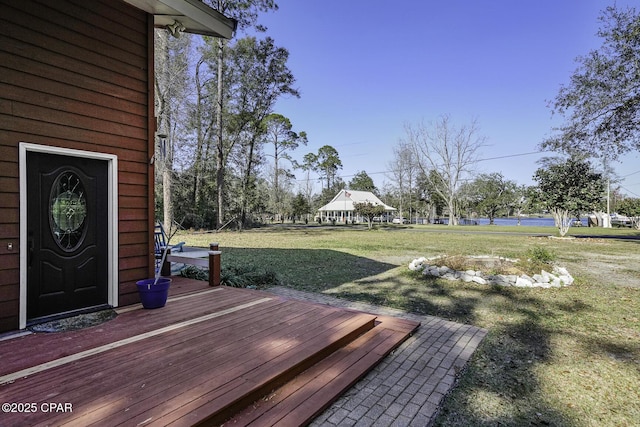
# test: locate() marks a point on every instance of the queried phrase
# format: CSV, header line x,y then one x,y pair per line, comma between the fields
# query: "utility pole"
x,y
607,220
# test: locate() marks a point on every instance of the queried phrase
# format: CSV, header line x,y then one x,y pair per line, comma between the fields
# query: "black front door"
x,y
67,230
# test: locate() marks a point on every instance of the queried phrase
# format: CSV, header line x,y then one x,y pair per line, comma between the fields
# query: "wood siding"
x,y
76,74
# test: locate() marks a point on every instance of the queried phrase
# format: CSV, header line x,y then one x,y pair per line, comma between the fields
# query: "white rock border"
x,y
557,278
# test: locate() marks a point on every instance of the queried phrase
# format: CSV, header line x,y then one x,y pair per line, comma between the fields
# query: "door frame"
x,y
112,233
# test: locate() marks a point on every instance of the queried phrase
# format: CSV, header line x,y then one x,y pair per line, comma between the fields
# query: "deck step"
x,y
254,385
306,396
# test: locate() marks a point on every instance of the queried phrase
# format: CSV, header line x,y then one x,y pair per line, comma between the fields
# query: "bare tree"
x,y
397,175
404,170
203,120
171,64
449,150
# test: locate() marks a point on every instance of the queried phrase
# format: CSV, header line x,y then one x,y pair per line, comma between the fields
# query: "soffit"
x,y
194,15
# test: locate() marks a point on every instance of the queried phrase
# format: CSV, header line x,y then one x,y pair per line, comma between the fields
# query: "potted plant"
x,y
154,292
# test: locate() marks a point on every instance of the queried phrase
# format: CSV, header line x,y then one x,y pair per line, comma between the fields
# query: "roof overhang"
x,y
194,16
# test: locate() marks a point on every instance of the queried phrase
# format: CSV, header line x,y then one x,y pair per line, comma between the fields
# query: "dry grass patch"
x,y
486,265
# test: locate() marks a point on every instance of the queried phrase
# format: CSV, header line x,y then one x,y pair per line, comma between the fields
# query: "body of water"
x,y
531,221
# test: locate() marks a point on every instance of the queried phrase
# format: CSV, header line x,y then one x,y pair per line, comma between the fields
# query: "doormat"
x,y
80,321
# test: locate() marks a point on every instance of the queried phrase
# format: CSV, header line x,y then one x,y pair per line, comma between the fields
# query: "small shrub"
x,y
538,259
193,272
539,254
236,277
248,276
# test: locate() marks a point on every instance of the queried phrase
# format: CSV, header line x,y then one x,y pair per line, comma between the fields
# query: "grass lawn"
x,y
563,356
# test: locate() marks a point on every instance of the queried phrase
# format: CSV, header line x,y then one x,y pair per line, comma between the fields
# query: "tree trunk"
x,y
197,164
561,218
164,152
220,142
276,183
167,176
246,184
453,219
166,196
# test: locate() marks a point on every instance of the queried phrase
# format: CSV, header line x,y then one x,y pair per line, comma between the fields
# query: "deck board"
x,y
278,403
261,367
292,357
202,358
37,348
305,396
124,361
210,382
171,374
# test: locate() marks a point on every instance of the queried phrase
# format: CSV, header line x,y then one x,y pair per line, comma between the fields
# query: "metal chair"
x,y
161,242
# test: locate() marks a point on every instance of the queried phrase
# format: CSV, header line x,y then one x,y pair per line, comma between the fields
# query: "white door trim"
x,y
112,233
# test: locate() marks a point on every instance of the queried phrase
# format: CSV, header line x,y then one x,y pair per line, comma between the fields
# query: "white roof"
x,y
345,199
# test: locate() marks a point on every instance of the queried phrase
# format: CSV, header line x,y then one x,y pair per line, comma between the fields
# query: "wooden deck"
x,y
209,355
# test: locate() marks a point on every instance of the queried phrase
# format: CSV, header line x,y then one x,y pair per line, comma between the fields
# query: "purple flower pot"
x,y
153,296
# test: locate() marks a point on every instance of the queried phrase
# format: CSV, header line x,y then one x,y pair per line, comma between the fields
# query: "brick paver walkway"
x,y
407,388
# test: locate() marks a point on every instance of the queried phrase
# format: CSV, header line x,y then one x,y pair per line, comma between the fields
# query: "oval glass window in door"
x,y
68,210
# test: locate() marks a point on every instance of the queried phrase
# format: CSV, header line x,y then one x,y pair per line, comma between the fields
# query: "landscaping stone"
x,y
444,270
479,280
566,279
433,271
559,277
524,281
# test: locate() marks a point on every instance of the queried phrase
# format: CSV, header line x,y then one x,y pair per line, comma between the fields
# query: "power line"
x,y
632,173
389,171
629,191
509,156
479,160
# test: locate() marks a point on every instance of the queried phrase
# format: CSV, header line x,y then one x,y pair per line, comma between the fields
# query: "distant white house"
x,y
341,207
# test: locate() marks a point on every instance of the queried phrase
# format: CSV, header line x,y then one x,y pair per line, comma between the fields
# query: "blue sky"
x,y
365,68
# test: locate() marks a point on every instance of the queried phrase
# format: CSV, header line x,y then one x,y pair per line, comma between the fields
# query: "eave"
x,y
195,16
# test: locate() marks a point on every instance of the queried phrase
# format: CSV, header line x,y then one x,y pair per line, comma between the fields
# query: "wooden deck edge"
x,y
262,389
314,407
398,324
301,399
